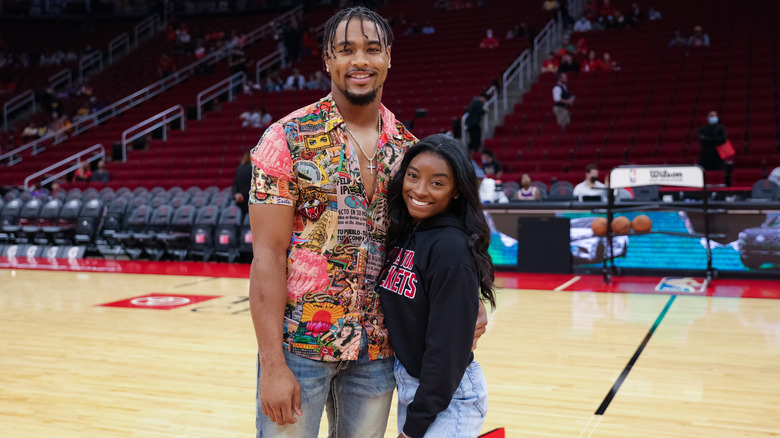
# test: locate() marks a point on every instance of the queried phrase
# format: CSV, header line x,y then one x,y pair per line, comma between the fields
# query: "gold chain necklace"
x,y
371,165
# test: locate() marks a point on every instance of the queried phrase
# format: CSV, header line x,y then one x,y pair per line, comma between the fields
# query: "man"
x,y
712,135
318,211
474,115
591,186
562,100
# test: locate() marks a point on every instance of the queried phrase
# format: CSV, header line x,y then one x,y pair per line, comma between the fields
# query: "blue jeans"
x,y
356,394
463,417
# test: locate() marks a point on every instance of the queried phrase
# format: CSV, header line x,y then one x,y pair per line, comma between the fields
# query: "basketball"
x,y
642,224
599,226
621,225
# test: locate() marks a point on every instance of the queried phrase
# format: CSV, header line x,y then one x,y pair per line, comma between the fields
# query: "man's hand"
x,y
239,197
280,395
482,321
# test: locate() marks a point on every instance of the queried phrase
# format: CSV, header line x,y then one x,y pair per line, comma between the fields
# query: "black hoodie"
x,y
430,294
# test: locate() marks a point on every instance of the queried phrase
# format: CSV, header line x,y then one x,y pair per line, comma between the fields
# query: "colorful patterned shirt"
x,y
306,161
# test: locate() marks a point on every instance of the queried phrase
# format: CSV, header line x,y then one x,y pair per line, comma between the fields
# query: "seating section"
x,y
649,112
175,224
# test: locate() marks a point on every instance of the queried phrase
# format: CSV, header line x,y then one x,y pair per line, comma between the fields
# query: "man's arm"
x,y
481,327
272,227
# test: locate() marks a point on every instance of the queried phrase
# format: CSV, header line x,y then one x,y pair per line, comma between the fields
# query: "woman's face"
x,y
429,186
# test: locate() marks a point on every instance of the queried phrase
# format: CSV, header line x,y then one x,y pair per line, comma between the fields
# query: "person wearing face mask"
x,y
712,135
591,186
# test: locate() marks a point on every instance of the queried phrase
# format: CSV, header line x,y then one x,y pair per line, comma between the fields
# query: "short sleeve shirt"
x,y
305,161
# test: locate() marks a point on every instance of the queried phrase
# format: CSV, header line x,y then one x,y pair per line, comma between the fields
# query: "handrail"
x,y
277,56
515,71
267,62
117,43
101,154
217,89
64,75
260,32
160,120
28,97
151,23
88,61
543,36
136,98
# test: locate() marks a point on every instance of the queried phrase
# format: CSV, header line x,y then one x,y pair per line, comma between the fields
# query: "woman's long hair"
x,y
466,207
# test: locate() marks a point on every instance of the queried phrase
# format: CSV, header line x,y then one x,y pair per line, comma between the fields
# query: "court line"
x,y
190,283
632,361
568,283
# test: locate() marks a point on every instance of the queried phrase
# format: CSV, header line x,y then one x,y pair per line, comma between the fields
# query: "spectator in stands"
x,y
489,42
653,14
250,118
527,191
474,116
699,38
609,63
593,63
490,165
271,84
607,13
242,182
165,65
296,81
591,186
565,47
318,81
250,87
678,40
200,50
562,101
310,43
82,113
550,64
774,176
237,61
712,135
183,38
293,41
265,118
101,174
63,124
568,65
428,29
582,25
634,15
30,133
581,51
83,173
552,7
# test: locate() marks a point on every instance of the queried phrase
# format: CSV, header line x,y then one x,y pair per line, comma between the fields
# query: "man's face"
x,y
594,173
563,78
359,63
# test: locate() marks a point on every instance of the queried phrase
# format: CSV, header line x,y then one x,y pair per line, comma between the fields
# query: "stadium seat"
x,y
227,233
202,238
89,221
47,222
66,223
176,240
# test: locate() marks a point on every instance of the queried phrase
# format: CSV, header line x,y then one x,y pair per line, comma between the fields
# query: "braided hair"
x,y
360,13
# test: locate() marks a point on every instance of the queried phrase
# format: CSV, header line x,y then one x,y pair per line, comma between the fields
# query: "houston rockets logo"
x,y
400,277
314,202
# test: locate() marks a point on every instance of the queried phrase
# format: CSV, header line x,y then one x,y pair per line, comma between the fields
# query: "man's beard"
x,y
362,99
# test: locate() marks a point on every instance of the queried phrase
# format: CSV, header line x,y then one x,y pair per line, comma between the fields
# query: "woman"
x,y
430,290
527,192
83,173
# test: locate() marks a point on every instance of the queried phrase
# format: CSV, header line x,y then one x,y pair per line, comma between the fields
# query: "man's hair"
x,y
489,153
383,30
590,167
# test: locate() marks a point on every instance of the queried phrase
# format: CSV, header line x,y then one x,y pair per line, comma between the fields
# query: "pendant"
x,y
371,167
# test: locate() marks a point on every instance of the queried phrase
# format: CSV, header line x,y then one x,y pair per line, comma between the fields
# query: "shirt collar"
x,y
334,119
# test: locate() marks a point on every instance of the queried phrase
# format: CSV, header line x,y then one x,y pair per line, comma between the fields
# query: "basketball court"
x,y
97,348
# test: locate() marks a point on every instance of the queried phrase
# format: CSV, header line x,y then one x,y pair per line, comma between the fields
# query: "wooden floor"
x,y
72,368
